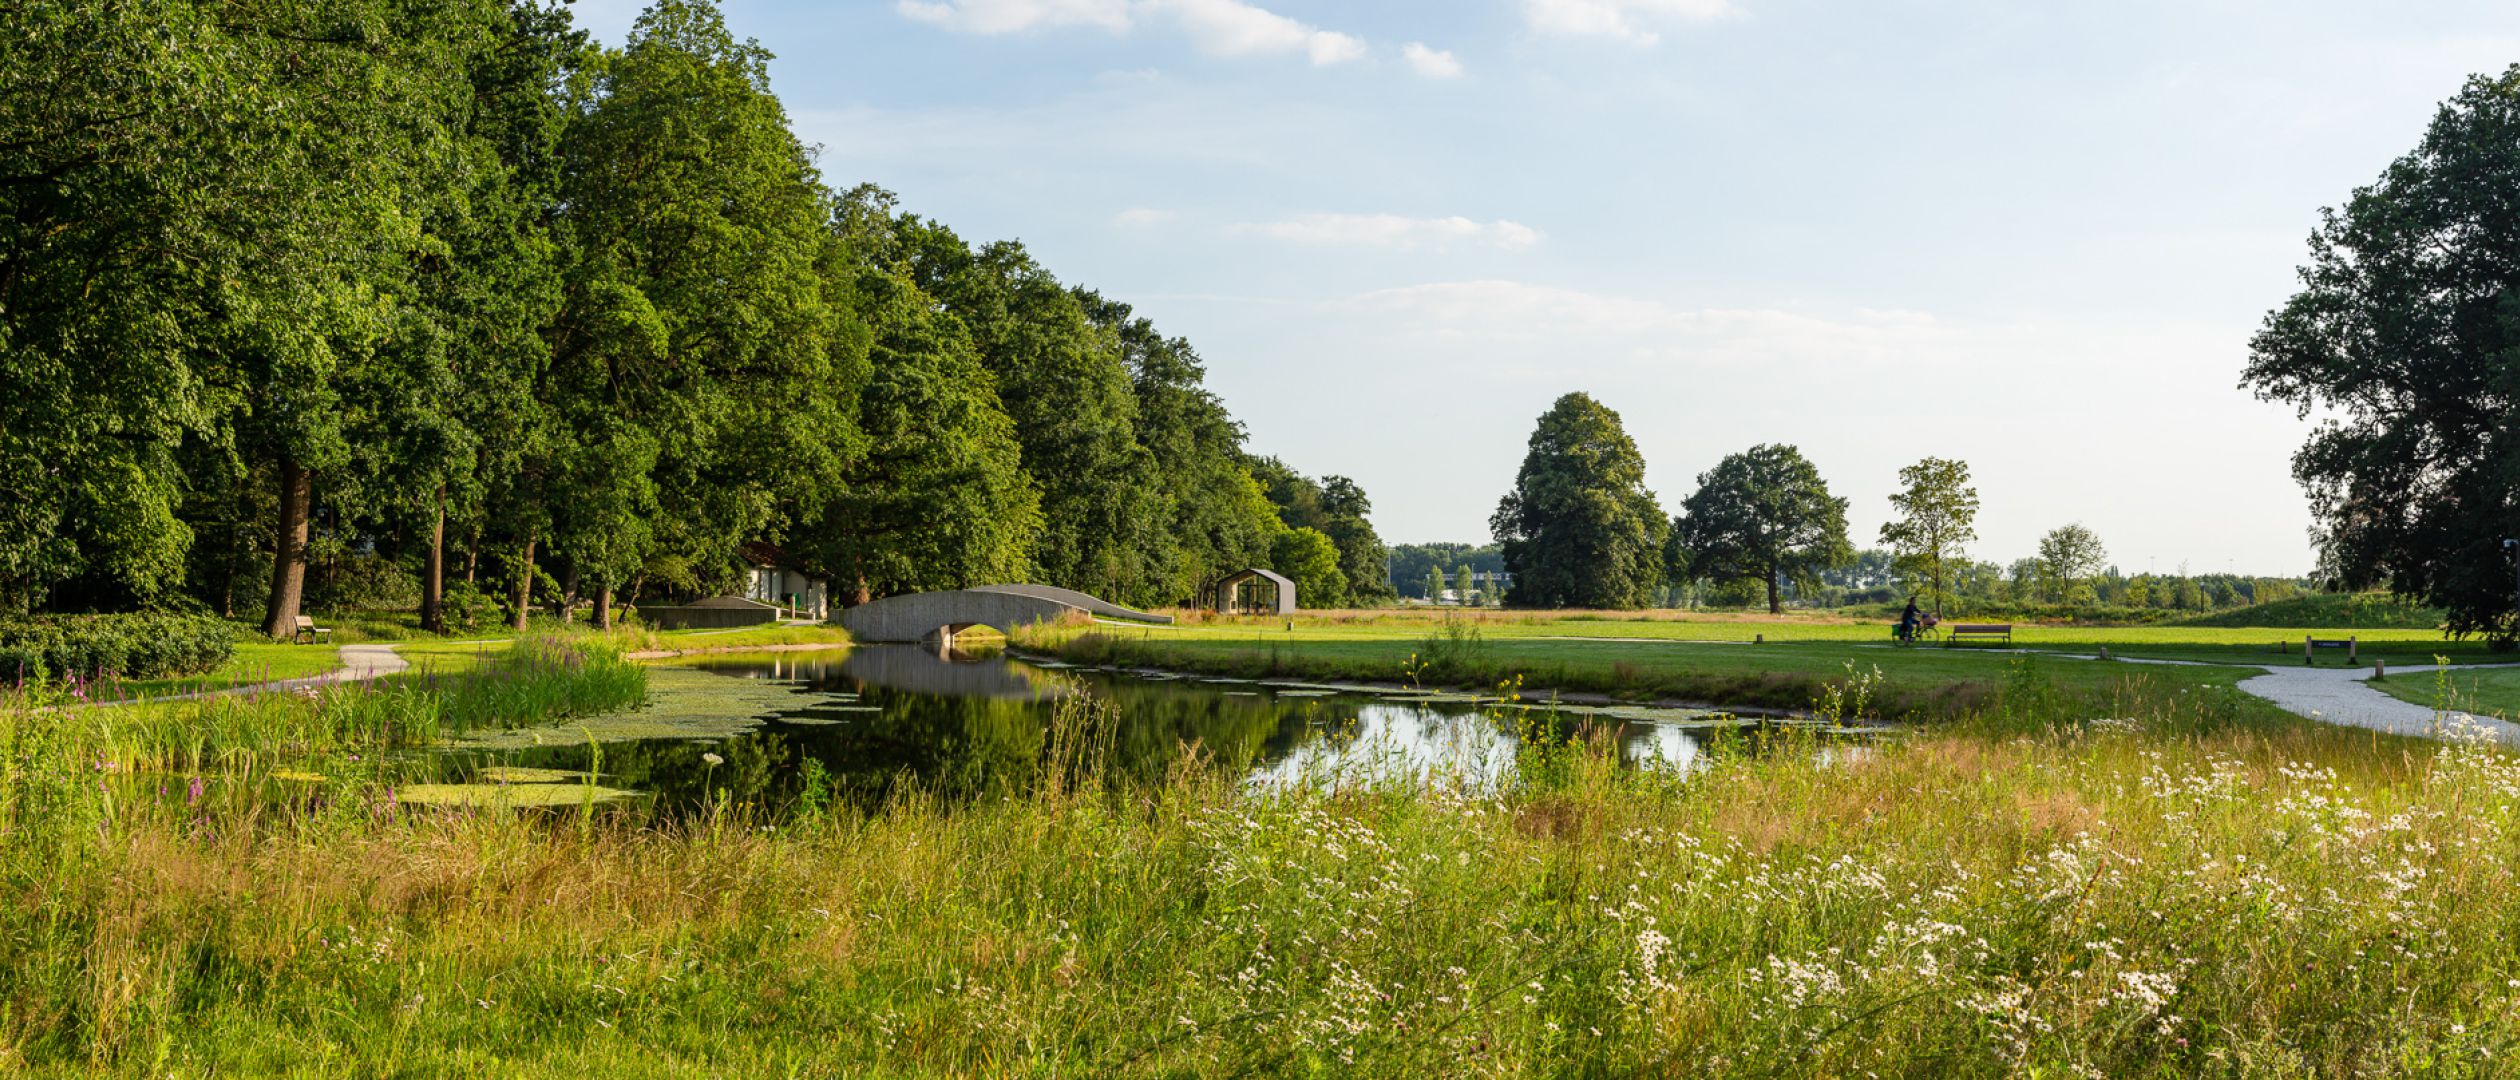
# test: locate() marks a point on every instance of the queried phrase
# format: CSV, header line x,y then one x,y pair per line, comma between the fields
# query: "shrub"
x,y
139,646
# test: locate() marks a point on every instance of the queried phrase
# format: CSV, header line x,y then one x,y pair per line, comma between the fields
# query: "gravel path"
x,y
2342,696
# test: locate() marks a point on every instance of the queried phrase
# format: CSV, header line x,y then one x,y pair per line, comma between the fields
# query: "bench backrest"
x,y
1982,628
2329,643
305,623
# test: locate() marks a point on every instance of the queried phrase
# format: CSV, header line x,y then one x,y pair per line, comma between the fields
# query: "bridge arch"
x,y
938,616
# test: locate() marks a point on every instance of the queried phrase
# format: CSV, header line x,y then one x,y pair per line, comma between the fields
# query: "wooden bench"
x,y
1995,632
307,632
2311,645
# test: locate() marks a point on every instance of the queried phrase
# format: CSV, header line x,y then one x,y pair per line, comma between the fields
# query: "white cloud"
x,y
1142,217
1632,329
1633,20
1394,231
1431,62
1009,16
1217,27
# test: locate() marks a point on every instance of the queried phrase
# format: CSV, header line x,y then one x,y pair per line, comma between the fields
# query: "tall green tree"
x,y
1311,561
2069,555
698,315
1215,517
1579,528
1765,514
1937,521
940,499
2405,338
1066,384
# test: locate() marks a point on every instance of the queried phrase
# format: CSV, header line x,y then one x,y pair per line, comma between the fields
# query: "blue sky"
x,y
2032,236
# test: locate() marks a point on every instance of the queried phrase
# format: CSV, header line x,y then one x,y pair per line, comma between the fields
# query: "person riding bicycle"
x,y
1908,621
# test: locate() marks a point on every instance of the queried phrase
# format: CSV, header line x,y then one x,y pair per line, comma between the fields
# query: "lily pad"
x,y
508,795
683,703
520,774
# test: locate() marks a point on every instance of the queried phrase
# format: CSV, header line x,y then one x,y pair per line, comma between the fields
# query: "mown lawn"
x,y
2249,645
254,662
1788,672
2489,692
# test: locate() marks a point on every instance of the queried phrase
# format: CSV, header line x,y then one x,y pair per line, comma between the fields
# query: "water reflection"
x,y
882,721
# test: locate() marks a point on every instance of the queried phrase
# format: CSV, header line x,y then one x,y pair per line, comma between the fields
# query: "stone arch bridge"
x,y
935,617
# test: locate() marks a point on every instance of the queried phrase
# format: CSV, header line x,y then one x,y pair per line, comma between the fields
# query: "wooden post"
x,y
2353,651
2308,644
2380,671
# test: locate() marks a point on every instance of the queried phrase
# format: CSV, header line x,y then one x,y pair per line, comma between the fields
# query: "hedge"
x,y
100,646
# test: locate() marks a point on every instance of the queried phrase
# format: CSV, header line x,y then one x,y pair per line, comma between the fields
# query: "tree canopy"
x,y
288,288
1764,514
2405,341
1937,522
1579,528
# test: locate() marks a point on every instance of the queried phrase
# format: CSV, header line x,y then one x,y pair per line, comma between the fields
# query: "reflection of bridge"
x,y
937,616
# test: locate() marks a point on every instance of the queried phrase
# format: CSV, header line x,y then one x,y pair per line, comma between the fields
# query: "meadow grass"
x,y
2160,882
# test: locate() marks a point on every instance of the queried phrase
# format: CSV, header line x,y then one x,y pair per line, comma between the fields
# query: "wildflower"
x,y
713,759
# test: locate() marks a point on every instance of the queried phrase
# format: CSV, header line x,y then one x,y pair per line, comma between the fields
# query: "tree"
x,y
1434,585
1465,584
1764,513
700,314
1937,521
1579,528
1311,561
1362,557
1338,507
2403,336
1216,518
940,500
2069,555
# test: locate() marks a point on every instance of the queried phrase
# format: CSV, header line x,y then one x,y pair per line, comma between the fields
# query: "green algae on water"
x,y
682,703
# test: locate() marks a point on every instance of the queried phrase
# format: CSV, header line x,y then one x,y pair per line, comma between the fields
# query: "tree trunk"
x,y
603,607
566,608
472,554
1776,605
433,573
524,594
288,562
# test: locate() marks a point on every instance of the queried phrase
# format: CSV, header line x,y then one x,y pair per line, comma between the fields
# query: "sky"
x,y
2035,237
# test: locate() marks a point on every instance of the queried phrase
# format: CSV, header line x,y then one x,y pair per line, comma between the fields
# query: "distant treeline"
x,y
411,294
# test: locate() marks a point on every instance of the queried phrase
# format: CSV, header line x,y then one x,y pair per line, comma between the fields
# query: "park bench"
x,y
307,632
2311,645
1995,632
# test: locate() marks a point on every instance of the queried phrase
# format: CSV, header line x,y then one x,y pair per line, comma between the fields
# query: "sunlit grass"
x,y
2165,882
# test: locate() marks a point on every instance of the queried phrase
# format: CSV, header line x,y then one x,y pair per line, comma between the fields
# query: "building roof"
x,y
1240,576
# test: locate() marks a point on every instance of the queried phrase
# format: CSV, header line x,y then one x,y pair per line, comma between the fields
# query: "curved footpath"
x,y
2344,696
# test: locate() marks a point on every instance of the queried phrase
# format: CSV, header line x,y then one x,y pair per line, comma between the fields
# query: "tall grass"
x,y
2178,887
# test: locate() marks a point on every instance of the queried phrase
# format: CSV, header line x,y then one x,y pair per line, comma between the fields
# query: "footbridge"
x,y
937,616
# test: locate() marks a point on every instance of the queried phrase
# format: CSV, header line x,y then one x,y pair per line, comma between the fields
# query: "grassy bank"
x,y
1784,673
2182,886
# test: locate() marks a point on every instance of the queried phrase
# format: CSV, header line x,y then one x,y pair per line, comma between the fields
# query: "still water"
x,y
864,723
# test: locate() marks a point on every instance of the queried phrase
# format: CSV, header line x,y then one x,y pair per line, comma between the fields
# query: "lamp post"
x,y
2512,548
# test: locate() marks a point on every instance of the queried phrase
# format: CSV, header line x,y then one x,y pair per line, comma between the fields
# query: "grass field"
x,y
1744,661
2186,884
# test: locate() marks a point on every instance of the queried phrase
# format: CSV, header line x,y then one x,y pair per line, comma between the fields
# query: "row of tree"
x,y
446,283
1580,529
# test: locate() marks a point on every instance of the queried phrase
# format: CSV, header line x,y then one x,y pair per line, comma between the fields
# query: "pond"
x,y
864,723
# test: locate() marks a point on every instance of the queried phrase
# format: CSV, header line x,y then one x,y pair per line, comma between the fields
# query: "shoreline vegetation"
x,y
1988,897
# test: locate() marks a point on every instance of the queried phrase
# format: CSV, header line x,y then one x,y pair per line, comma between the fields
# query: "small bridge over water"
x,y
938,616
